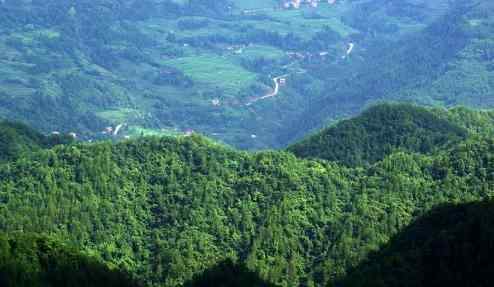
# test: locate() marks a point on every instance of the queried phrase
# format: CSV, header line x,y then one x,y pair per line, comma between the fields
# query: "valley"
x,y
172,68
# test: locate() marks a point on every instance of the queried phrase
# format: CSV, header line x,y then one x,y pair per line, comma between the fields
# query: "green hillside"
x,y
17,140
125,125
449,246
167,209
378,132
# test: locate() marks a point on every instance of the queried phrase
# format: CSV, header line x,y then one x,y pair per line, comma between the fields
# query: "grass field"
x,y
118,116
137,131
264,51
215,71
306,22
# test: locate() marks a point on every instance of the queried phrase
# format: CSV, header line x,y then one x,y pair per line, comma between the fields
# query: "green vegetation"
x,y
378,132
17,140
354,204
215,71
444,64
167,209
179,65
32,261
449,246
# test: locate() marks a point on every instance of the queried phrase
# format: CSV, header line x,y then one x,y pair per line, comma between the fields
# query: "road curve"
x,y
274,93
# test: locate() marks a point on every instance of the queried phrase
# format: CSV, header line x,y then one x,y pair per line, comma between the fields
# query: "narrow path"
x,y
274,93
117,129
350,48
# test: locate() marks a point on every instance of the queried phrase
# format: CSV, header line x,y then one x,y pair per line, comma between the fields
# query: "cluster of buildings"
x,y
295,4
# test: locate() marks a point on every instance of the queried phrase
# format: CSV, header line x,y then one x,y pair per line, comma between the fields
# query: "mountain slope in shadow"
x,y
228,274
450,246
37,261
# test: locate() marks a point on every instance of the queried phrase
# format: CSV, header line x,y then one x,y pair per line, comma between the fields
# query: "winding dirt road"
x,y
117,129
350,48
274,93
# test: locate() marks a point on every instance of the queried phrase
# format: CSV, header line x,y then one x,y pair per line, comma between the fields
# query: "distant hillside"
x,y
378,132
36,261
450,246
16,139
448,63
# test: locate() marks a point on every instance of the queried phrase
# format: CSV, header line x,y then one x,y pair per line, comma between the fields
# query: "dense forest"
x,y
228,274
120,122
167,209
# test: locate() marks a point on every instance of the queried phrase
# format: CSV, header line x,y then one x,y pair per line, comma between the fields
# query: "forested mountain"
x,y
28,260
168,66
17,140
449,246
167,209
378,132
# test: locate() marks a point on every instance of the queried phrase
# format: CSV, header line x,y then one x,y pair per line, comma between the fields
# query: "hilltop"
x,y
16,140
378,132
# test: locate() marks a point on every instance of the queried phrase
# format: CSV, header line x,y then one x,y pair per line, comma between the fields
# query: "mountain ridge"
x,y
378,131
